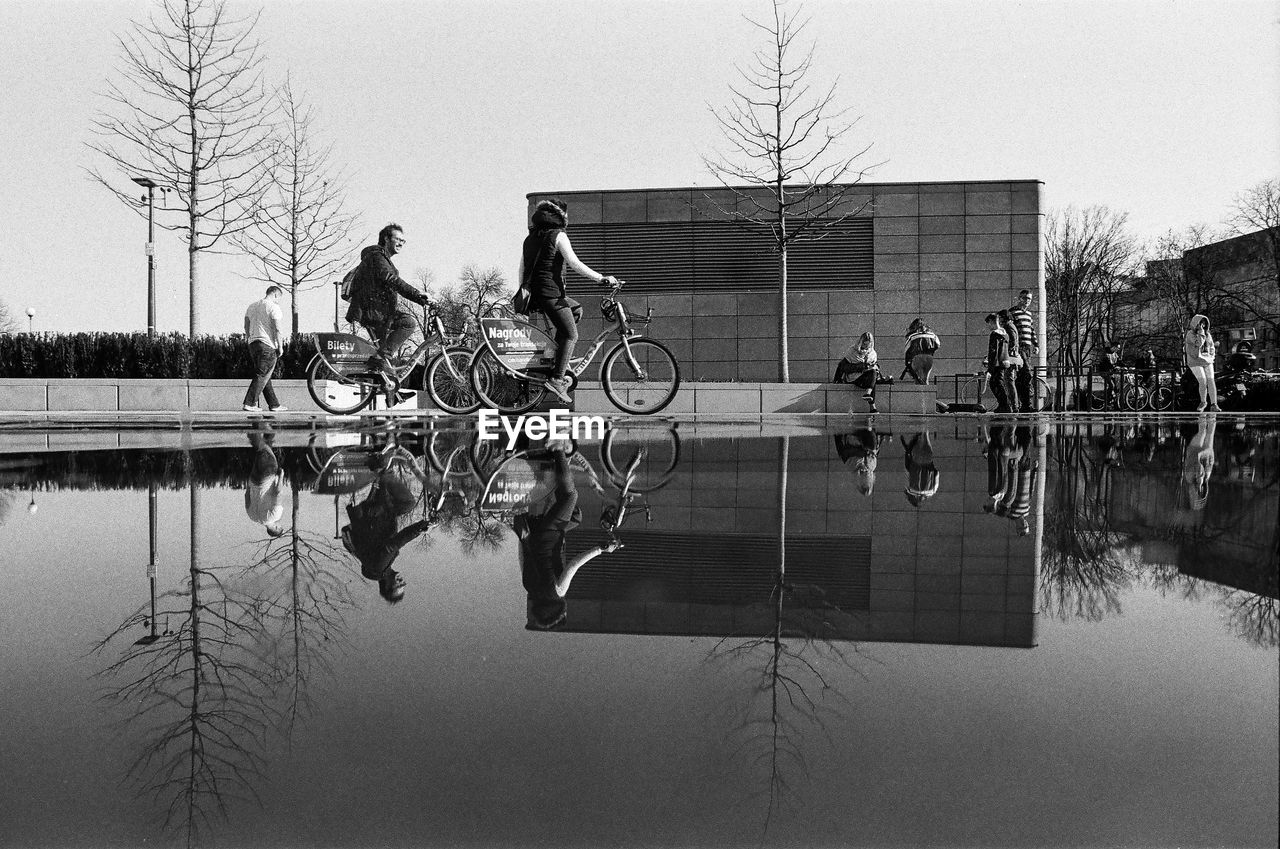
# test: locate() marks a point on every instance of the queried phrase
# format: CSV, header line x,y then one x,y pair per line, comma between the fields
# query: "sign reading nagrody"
x,y
517,344
556,424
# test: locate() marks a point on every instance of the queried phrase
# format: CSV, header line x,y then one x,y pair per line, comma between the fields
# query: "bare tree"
x,y
189,111
1089,263
301,233
197,693
1259,209
782,142
8,324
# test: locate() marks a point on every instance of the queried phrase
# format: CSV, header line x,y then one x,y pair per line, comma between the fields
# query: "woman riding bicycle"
x,y
546,251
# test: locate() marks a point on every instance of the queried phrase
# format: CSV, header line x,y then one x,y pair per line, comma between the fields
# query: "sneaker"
x,y
873,409
251,408
280,408
559,387
1214,408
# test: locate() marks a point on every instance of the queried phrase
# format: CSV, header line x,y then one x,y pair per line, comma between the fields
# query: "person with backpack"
x,y
378,294
544,254
922,344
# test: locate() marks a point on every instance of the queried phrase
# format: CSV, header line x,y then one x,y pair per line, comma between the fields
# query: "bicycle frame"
x,y
348,353
516,339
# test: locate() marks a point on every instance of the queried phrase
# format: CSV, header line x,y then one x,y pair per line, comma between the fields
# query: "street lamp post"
x,y
31,319
337,304
150,186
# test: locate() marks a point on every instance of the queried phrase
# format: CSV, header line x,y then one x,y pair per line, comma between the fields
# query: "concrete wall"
x,y
947,252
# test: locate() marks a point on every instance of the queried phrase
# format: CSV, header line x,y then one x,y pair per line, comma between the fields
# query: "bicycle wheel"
x,y
1133,398
661,456
971,388
336,393
447,451
448,383
645,392
1161,398
497,388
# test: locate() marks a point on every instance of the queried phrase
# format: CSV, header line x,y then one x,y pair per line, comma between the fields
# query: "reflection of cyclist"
x,y
377,299
541,531
546,251
372,535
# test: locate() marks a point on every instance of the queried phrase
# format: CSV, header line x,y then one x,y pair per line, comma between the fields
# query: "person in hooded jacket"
x,y
545,253
378,295
1200,350
922,344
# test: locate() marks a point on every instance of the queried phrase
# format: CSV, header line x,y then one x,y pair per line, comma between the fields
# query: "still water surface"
x,y
908,632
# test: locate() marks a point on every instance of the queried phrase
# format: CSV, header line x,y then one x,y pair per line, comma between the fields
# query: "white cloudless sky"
x,y
446,114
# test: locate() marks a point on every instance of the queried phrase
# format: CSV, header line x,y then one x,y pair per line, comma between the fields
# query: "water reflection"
x,y
778,549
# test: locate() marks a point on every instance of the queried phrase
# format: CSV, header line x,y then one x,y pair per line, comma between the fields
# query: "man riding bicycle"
x,y
545,252
377,300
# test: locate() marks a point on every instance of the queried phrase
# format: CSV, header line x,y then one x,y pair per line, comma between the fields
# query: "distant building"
x,y
1242,270
947,252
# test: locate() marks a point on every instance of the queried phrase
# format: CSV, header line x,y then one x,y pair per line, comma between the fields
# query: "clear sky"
x,y
448,113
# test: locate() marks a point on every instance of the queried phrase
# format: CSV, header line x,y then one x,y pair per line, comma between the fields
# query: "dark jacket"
x,y
377,289
997,350
543,264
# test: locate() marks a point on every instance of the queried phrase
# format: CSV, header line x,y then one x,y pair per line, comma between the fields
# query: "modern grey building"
x,y
947,252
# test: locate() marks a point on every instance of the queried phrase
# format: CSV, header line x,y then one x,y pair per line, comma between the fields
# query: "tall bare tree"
x,y
189,111
1090,260
301,233
783,142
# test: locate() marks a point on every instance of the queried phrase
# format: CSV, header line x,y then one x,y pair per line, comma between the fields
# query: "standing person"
x,y
861,363
378,295
1106,366
922,344
544,254
1198,462
264,330
1147,365
1028,347
1200,350
998,364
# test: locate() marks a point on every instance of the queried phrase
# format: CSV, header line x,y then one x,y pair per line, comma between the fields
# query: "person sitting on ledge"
x,y
859,367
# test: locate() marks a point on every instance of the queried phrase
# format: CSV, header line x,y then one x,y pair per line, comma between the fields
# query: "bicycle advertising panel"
x,y
518,484
344,349
517,344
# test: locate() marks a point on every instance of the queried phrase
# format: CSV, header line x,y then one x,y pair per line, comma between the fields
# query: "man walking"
x,y
377,299
1028,345
263,328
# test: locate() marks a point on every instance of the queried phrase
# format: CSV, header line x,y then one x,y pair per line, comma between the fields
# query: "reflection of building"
x,y
1232,540
950,252
873,568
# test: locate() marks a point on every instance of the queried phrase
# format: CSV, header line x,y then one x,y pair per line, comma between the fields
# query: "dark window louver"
x,y
724,569
718,256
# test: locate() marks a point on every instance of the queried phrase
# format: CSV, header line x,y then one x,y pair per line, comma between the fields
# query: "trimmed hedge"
x,y
135,355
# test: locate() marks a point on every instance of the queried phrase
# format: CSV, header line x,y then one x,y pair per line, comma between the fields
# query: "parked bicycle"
x,y
341,381
970,388
510,369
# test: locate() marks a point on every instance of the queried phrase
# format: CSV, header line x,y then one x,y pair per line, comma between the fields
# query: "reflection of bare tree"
x,y
1084,566
1252,617
198,696
303,606
792,693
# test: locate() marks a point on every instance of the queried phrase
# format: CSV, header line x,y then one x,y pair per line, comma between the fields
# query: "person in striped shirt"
x,y
1028,344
